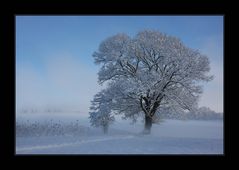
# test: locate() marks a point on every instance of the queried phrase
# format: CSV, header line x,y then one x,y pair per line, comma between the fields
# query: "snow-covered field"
x,y
70,133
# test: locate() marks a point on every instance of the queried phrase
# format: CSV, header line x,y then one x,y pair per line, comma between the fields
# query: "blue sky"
x,y
54,63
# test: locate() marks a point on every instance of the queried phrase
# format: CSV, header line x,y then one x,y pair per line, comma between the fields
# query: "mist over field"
x,y
119,85
70,133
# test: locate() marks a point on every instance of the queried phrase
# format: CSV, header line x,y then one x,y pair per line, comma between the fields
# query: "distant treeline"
x,y
36,110
202,113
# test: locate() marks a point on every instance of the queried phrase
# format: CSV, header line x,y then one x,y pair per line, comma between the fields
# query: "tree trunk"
x,y
148,124
105,129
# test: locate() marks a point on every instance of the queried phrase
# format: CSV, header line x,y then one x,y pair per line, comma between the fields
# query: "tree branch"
x,y
141,104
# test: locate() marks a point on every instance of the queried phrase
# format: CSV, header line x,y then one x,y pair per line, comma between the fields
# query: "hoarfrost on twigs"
x,y
144,73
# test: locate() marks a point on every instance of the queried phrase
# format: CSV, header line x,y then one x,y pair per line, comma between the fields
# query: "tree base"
x,y
146,132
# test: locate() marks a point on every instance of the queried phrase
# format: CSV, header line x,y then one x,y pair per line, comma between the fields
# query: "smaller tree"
x,y
100,115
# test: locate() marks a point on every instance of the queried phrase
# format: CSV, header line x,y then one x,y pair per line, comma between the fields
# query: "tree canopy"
x,y
146,72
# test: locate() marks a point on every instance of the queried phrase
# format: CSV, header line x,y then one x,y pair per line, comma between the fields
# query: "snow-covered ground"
x,y
168,137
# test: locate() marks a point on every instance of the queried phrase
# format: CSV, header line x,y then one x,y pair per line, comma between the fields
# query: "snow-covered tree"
x,y
147,72
101,115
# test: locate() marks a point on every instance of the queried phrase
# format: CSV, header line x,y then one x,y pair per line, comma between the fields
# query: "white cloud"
x,y
213,91
29,86
66,82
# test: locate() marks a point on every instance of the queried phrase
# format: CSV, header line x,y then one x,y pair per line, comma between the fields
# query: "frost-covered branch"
x,y
146,72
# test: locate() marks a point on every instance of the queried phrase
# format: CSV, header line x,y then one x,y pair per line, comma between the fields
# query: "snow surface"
x,y
168,137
